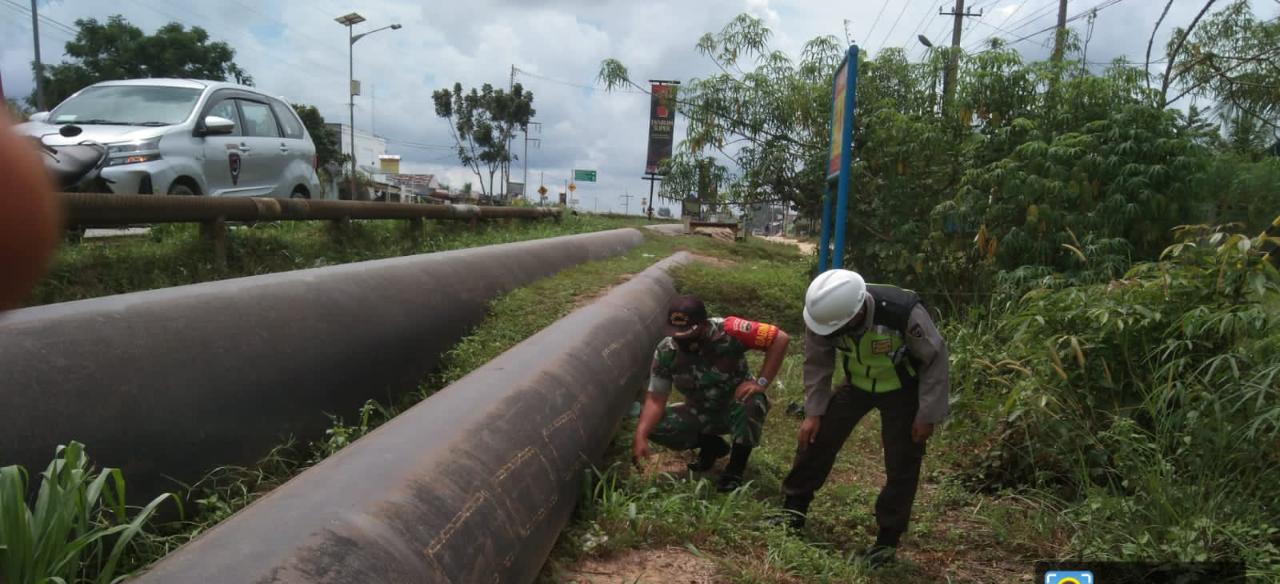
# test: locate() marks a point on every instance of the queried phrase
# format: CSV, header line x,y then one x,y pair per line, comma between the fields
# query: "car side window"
x,y
227,109
288,120
258,120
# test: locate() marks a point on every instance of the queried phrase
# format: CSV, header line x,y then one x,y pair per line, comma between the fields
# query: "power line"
x,y
1024,22
524,73
1098,8
872,30
905,4
45,19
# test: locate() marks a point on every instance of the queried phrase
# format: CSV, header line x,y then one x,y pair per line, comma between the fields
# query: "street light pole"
x,y
351,105
350,21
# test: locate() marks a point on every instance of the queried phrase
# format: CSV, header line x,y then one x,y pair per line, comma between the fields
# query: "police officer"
x,y
893,360
705,358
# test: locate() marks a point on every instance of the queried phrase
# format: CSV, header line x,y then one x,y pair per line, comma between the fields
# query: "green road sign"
x,y
584,176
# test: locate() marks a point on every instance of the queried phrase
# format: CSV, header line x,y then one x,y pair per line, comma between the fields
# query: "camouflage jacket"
x,y
708,376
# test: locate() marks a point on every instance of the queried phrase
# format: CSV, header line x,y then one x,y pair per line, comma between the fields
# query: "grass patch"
x,y
174,255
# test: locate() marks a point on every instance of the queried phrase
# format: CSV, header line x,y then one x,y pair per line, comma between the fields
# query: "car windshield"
x,y
133,105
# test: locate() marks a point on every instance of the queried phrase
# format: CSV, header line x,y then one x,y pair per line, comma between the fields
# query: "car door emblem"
x,y
233,160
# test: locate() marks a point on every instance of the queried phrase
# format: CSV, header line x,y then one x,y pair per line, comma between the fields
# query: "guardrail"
x,y
83,209
213,213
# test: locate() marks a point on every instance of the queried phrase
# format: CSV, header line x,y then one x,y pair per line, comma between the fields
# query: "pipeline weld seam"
x,y
472,503
611,348
555,497
511,464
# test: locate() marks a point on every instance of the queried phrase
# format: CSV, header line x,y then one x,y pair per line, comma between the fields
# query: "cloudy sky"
x,y
294,49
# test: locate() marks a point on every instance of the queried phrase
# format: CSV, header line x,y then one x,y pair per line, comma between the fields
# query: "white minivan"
x,y
187,137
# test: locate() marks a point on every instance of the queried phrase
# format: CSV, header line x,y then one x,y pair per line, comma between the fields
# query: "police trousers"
x,y
902,456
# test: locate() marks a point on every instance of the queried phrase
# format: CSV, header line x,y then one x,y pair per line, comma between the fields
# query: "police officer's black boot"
x,y
884,551
710,449
794,510
732,477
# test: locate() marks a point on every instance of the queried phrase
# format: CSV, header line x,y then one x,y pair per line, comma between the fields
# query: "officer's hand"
x,y
746,389
920,432
809,430
640,451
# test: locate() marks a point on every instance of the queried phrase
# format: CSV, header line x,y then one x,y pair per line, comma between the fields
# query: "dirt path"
x,y
806,248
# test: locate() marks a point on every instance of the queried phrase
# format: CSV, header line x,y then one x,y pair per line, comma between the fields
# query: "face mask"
x,y
690,343
686,345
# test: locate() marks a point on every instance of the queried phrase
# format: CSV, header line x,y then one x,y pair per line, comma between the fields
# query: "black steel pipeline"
x,y
472,485
177,381
105,210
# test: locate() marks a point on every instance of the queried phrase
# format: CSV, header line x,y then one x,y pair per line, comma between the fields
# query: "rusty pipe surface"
x,y
105,210
178,381
471,485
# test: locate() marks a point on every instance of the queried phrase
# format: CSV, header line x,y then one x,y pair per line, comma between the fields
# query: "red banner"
x,y
662,125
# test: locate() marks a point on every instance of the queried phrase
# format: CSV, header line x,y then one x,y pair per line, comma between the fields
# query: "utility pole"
x,y
35,36
1060,34
626,201
506,166
953,58
536,142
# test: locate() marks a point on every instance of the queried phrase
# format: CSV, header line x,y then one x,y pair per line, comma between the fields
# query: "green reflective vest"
x,y
878,361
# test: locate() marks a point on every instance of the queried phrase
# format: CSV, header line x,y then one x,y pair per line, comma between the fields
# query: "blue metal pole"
x,y
846,160
824,249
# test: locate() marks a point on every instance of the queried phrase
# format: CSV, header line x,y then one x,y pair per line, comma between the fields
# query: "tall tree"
x,y
764,113
482,123
116,49
326,141
1233,57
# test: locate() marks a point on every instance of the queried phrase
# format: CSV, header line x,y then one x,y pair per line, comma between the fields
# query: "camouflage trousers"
x,y
683,423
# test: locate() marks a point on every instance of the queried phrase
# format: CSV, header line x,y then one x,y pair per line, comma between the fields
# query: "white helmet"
x,y
833,299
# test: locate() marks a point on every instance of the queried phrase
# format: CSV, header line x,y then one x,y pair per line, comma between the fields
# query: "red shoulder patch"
x,y
755,335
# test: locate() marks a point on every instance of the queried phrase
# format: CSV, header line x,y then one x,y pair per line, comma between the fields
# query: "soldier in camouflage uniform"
x,y
705,358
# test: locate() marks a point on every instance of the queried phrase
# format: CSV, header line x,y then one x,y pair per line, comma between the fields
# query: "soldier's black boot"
x,y
732,477
710,449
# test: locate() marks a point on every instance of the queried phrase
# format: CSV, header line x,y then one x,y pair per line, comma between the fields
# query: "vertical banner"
x,y
839,88
843,95
662,125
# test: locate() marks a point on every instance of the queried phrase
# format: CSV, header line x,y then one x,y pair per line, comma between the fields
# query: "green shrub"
x,y
78,528
1147,406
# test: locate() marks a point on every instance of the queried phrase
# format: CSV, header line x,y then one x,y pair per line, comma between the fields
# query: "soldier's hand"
x,y
920,432
746,389
809,430
640,451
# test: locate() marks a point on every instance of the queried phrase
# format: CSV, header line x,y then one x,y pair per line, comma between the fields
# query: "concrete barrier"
x,y
175,382
470,486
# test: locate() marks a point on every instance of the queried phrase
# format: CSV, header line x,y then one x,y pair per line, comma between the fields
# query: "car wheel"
x,y
298,193
181,190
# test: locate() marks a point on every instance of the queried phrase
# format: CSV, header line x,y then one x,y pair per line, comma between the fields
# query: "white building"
x,y
368,146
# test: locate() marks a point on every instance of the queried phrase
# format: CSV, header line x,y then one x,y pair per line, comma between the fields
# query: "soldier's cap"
x,y
685,313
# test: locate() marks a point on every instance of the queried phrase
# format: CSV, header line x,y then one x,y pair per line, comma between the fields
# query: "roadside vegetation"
x,y
1097,261
175,255
1133,419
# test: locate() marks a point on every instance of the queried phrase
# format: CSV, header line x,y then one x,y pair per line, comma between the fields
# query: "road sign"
x,y
542,190
572,187
584,175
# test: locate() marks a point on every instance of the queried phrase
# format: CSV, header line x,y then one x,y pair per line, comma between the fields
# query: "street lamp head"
x,y
396,27
924,40
350,19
